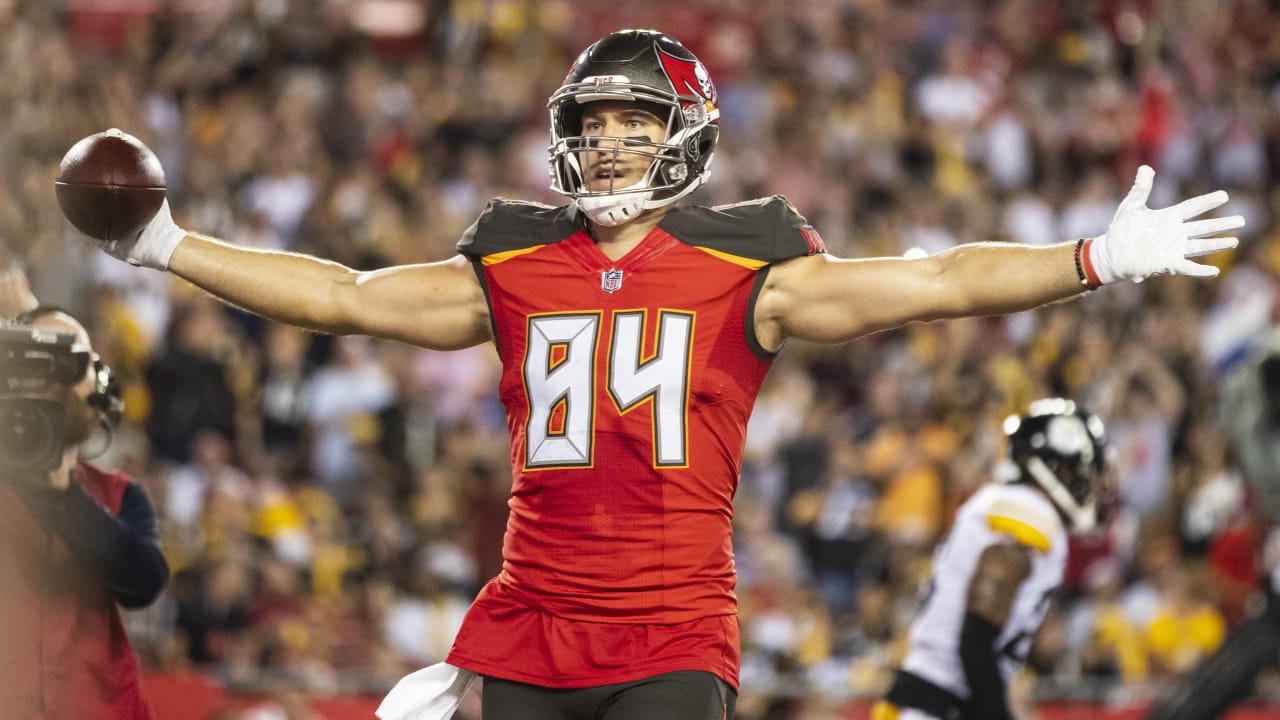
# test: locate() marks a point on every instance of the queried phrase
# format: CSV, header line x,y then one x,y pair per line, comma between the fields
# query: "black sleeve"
x,y
125,549
978,657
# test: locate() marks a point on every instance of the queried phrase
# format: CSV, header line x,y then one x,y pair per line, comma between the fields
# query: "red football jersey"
x,y
627,385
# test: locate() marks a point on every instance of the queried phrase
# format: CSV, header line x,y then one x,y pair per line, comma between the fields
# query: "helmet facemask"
x,y
678,163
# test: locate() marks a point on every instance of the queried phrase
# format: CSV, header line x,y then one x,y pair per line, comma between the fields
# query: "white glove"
x,y
1141,242
153,246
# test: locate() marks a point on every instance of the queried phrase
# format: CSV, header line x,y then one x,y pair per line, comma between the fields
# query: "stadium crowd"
x,y
329,505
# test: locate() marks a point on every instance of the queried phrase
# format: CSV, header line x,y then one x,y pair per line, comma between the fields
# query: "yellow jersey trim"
x,y
1020,531
496,258
735,259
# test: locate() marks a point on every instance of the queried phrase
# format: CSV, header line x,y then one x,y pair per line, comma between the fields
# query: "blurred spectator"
x,y
422,621
1105,642
1186,627
282,379
341,401
836,522
188,381
1141,432
214,602
189,485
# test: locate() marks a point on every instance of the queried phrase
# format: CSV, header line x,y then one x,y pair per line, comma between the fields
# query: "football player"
x,y
634,334
994,575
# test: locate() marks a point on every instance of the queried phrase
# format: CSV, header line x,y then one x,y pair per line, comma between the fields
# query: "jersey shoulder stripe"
x,y
761,231
509,226
1028,525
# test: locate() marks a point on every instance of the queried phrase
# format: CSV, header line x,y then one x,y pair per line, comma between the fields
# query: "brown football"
x,y
110,185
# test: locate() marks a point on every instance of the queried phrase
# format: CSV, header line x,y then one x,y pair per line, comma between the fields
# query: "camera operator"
x,y
75,540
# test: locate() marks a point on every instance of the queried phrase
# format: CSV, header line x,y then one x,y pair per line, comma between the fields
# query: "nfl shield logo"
x,y
611,280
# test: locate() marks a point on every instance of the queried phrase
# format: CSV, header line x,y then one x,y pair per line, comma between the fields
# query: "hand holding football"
x,y
109,185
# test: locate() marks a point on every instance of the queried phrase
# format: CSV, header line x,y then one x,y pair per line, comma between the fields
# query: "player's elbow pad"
x,y
978,657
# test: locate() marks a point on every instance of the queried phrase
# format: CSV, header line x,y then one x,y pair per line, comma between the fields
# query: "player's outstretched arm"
x,y
826,299
435,305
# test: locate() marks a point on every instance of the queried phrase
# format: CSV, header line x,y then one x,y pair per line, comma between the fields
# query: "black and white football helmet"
x,y
1063,449
637,66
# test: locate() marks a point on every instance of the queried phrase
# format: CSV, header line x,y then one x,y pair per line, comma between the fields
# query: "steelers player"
x,y
993,576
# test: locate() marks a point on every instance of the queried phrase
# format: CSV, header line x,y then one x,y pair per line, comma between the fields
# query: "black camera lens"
x,y
30,435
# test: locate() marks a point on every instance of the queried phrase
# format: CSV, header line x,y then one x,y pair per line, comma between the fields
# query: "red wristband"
x,y
1084,265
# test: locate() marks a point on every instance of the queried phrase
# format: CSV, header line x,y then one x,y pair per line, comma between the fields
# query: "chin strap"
x,y
627,203
621,206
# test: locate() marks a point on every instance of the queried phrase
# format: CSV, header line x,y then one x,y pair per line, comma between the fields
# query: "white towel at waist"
x,y
432,693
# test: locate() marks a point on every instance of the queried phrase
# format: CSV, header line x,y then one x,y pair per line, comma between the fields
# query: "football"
x,y
109,185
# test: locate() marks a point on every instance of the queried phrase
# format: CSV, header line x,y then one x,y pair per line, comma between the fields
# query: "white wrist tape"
x,y
156,242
